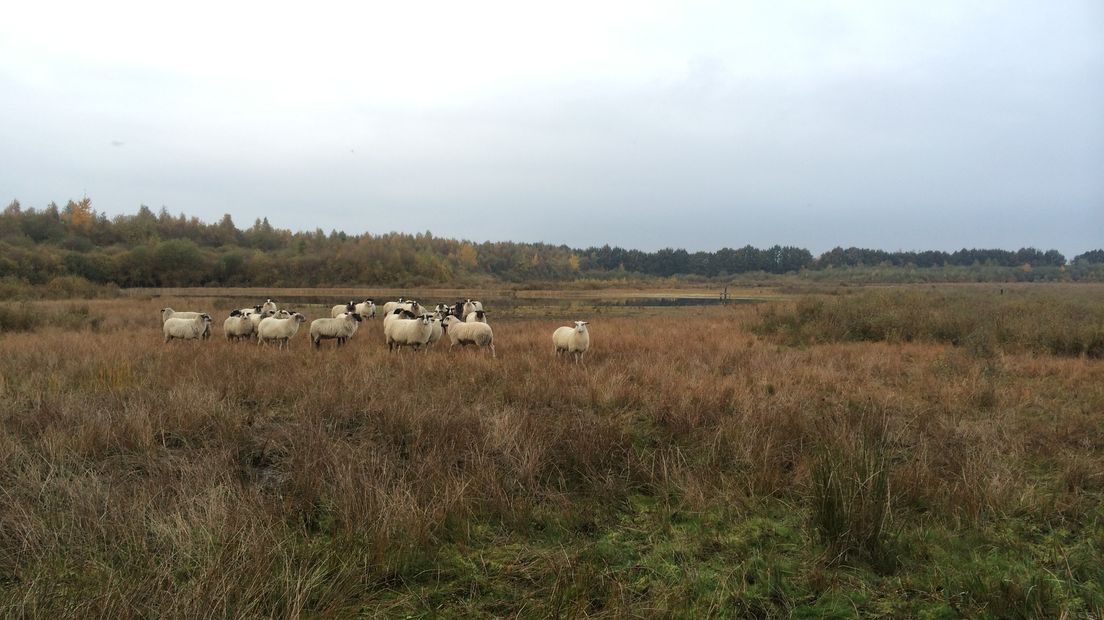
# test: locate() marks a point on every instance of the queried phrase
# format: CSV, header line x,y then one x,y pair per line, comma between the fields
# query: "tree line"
x,y
159,249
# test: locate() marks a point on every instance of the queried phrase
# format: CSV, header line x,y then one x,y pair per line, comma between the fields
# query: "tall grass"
x,y
1022,320
202,478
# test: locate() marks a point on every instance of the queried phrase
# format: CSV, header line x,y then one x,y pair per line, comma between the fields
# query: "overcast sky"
x,y
895,125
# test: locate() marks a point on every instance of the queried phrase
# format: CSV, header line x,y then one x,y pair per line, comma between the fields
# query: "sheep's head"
x,y
299,318
581,326
235,313
357,317
351,307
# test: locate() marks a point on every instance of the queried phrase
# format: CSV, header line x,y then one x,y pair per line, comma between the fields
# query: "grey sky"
x,y
896,125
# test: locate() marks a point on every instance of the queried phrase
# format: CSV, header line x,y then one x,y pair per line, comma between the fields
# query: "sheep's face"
x,y
236,313
581,326
357,317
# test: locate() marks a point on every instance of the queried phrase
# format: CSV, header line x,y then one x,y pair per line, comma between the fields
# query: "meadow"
x,y
925,451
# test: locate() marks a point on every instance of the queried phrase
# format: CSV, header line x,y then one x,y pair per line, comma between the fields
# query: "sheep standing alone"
x,y
463,334
279,329
237,326
574,340
186,329
407,332
341,328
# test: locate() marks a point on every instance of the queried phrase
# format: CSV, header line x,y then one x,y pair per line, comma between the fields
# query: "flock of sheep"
x,y
406,323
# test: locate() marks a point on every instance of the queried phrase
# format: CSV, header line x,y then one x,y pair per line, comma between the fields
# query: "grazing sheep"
x,y
237,326
169,313
574,340
340,309
366,309
407,332
279,329
476,316
341,328
186,329
463,334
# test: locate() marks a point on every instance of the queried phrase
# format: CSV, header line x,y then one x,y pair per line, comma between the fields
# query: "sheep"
x,y
471,305
256,318
279,329
436,330
168,313
574,340
407,332
237,326
463,334
366,309
390,306
397,313
341,328
249,311
269,305
340,309
476,316
186,329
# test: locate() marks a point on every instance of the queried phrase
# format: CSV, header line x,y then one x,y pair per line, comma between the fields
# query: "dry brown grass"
x,y
212,478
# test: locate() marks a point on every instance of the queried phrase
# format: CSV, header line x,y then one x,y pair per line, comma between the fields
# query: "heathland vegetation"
x,y
75,245
900,452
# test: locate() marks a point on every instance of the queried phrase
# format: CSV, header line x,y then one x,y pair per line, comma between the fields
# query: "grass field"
x,y
900,452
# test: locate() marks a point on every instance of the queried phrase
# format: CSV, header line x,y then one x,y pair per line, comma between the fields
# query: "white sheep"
x,y
397,313
436,330
186,329
476,316
256,317
389,307
463,334
407,332
341,328
279,329
366,309
471,305
269,306
237,326
169,313
574,340
340,309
